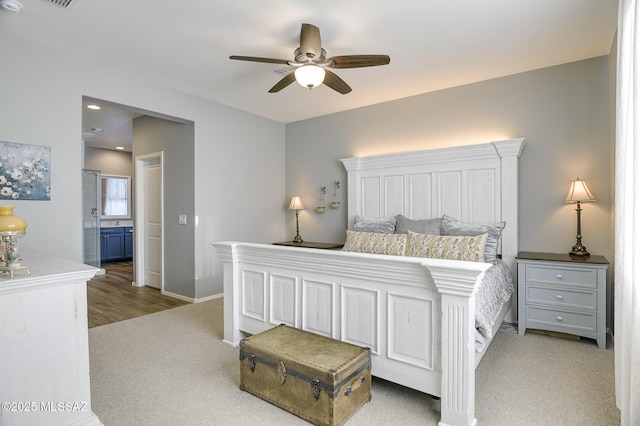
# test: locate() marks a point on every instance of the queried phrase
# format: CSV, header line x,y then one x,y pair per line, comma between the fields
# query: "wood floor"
x,y
112,298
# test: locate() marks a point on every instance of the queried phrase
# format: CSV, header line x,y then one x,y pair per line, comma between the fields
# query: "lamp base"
x,y
11,270
297,239
579,250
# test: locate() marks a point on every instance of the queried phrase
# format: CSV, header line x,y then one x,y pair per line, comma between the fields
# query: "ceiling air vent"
x,y
67,4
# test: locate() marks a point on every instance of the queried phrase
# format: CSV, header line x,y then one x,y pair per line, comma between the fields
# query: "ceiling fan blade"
x,y
310,43
336,83
358,61
256,59
287,80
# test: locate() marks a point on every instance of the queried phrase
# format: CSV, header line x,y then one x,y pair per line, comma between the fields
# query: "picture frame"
x,y
25,172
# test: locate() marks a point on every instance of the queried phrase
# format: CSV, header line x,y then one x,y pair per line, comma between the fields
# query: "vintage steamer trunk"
x,y
319,379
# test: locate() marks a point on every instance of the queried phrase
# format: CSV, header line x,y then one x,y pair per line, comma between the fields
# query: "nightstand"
x,y
563,293
327,246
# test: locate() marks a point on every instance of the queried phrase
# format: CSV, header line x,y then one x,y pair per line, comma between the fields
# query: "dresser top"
x,y
561,257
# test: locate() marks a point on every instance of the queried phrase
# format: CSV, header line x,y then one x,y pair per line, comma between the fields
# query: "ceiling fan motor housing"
x,y
302,57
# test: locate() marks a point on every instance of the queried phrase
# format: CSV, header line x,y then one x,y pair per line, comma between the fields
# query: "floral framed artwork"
x,y
25,172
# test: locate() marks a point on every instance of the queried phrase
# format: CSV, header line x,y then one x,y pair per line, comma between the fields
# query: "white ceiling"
x,y
433,44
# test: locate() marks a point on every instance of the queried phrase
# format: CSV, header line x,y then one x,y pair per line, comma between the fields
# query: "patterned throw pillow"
x,y
376,243
470,249
385,225
451,226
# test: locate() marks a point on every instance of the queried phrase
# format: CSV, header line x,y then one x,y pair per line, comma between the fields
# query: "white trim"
x,y
139,227
193,299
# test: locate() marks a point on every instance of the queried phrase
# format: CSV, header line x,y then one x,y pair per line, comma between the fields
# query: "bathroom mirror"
x,y
116,196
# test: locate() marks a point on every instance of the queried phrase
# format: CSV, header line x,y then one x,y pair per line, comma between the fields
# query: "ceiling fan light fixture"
x,y
310,76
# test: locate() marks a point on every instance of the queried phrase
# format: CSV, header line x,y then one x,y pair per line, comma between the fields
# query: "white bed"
x,y
416,314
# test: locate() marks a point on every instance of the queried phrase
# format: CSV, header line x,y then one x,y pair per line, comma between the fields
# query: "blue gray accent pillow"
x,y
421,226
384,225
452,226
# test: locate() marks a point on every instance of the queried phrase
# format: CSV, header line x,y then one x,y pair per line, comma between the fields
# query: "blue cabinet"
x,y
116,243
128,243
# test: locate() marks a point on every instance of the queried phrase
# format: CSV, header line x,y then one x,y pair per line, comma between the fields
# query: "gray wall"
x,y
238,159
108,161
175,140
562,111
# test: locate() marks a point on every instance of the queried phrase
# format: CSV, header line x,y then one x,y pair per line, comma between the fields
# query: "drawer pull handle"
x,y
559,276
559,318
559,297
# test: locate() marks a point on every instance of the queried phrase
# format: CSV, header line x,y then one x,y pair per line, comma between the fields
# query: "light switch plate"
x,y
182,219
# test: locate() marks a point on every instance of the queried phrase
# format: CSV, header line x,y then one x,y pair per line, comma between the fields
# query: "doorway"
x,y
146,133
149,223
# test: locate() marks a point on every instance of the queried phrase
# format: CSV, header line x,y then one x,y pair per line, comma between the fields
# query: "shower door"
x,y
91,216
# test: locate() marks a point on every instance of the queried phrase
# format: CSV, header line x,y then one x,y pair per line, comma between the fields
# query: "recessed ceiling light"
x,y
11,5
120,147
92,106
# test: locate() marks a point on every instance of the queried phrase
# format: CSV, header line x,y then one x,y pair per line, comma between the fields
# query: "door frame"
x,y
142,161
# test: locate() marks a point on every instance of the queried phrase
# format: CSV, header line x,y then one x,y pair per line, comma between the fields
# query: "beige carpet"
x,y
171,368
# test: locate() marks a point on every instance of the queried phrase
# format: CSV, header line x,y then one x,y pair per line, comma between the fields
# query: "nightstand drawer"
x,y
570,321
558,275
561,297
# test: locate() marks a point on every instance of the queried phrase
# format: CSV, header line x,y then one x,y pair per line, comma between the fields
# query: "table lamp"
x,y
296,204
11,228
579,193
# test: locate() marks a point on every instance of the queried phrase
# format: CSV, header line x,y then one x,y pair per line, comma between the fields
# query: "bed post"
x,y
228,253
458,387
509,152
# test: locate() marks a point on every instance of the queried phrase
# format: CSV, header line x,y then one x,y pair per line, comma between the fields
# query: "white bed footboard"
x,y
416,314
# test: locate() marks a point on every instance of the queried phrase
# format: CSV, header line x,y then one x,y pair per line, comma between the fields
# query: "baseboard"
x,y
178,296
207,298
192,299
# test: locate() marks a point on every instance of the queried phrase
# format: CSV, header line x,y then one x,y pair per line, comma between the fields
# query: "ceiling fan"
x,y
310,68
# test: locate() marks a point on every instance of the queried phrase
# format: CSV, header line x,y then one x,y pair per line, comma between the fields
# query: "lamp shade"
x,y
310,76
578,192
296,203
9,222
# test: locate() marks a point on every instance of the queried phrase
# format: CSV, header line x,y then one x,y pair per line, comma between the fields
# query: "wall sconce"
x,y
579,193
321,207
335,201
296,204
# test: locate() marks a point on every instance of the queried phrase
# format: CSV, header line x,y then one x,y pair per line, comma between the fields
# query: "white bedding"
x,y
497,287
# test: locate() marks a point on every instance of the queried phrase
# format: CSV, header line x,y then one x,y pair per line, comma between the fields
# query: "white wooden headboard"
x,y
475,184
